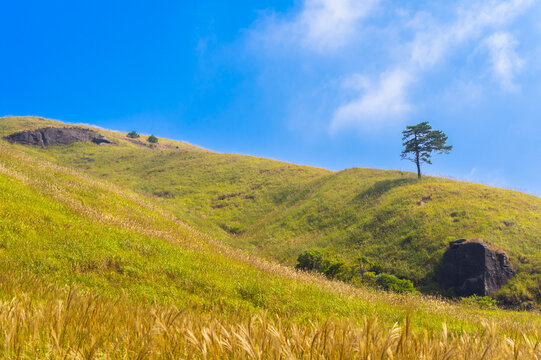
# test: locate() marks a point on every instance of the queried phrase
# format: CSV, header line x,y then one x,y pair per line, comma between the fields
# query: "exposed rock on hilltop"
x,y
474,268
57,136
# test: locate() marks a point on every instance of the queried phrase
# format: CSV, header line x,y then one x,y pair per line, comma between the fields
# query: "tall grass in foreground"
x,y
77,325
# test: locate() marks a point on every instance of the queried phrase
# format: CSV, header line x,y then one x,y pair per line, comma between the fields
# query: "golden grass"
x,y
72,324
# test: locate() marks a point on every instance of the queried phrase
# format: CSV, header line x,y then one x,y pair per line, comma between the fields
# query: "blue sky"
x,y
328,83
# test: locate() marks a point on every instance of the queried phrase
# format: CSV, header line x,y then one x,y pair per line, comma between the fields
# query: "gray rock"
x,y
474,268
57,136
100,139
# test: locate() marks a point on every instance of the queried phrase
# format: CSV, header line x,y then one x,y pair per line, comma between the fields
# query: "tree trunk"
x,y
418,163
417,160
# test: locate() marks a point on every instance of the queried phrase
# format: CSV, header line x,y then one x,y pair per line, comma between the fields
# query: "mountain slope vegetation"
x,y
279,210
96,266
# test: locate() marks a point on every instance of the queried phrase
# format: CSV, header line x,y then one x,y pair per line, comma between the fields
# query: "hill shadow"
x,y
381,187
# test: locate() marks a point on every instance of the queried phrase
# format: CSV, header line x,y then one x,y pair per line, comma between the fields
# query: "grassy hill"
x,y
97,261
278,210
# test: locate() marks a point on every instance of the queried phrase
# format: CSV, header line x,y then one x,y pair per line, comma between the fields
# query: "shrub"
x,y
364,264
310,260
337,269
369,277
133,135
484,302
518,293
362,272
392,283
152,139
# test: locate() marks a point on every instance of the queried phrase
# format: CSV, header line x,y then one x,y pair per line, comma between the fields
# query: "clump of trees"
x,y
152,139
133,135
361,271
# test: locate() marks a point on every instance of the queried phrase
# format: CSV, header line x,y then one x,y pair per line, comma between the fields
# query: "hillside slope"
x,y
90,269
278,210
65,229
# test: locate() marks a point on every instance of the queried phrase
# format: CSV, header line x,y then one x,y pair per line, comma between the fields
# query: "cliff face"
x,y
473,268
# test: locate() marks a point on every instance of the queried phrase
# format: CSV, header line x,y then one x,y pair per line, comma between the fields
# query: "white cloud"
x,y
386,100
505,62
320,25
330,24
431,44
416,42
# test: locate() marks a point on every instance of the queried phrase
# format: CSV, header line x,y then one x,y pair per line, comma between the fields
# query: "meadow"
x,y
94,267
278,210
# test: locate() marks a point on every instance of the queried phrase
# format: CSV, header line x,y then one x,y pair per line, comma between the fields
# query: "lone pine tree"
x,y
420,141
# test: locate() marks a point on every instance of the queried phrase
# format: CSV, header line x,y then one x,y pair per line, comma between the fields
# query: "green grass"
x,y
278,210
71,230
67,223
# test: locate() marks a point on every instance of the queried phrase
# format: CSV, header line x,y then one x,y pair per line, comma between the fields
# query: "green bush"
x,y
369,277
316,260
522,292
362,272
364,264
152,139
311,260
484,302
133,135
377,268
392,283
337,270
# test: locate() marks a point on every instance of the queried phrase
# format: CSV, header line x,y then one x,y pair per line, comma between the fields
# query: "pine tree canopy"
x,y
420,141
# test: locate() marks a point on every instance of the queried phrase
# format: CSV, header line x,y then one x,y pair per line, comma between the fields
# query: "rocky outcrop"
x,y
57,136
474,268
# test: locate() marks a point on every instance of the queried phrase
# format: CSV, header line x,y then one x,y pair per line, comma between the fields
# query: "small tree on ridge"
x,y
133,135
420,141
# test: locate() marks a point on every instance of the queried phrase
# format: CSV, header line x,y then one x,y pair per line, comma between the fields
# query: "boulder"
x,y
474,268
57,136
100,139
